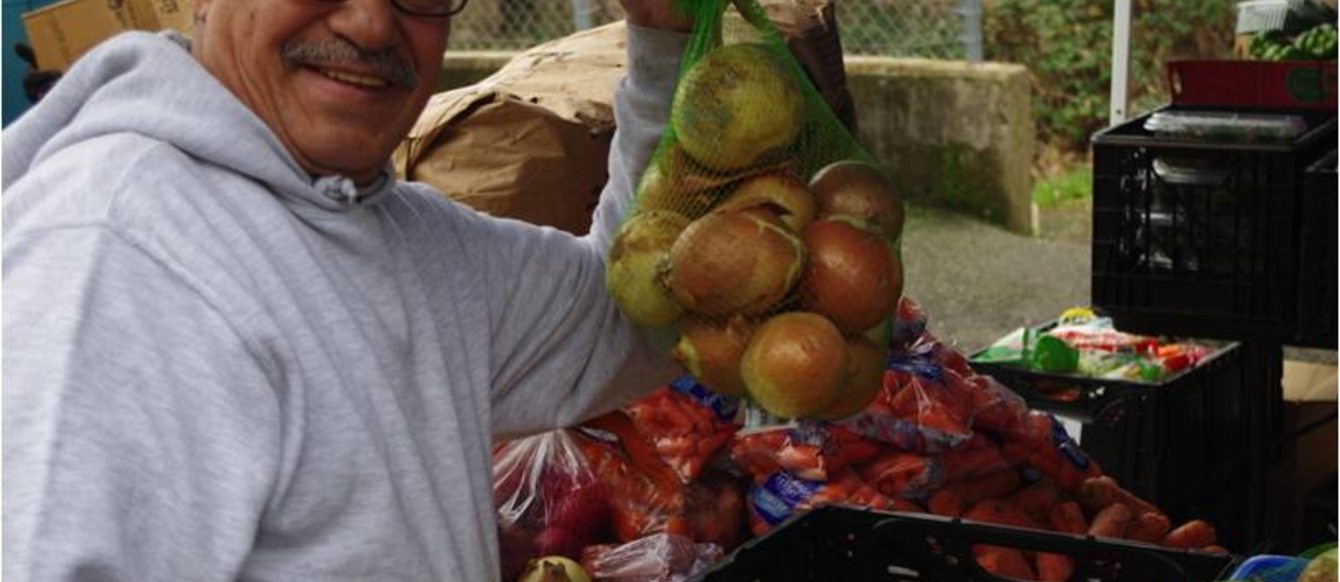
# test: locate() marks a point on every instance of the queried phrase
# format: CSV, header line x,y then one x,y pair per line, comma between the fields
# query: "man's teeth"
x,y
355,78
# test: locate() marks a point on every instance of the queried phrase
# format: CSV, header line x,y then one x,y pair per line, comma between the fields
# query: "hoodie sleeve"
x,y
561,350
121,464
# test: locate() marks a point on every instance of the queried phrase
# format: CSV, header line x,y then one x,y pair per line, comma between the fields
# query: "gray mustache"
x,y
385,62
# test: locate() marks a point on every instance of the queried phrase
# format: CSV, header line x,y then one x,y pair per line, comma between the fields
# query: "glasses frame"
x,y
454,10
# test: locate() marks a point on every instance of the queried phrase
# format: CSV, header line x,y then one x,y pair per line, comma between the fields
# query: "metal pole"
x,y
971,37
581,14
1121,62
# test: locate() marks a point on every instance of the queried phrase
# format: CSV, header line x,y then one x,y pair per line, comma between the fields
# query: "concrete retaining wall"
x,y
953,134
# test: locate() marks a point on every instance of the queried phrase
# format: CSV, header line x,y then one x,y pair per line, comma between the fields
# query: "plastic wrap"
x,y
548,499
686,423
655,558
809,450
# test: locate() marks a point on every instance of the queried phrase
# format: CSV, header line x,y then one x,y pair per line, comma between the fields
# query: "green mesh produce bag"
x,y
761,231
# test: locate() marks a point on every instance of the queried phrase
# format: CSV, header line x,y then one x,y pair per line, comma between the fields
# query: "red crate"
x,y
1266,84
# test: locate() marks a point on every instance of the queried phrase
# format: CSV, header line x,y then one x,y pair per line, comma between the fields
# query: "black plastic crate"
x,y
1181,443
1317,276
862,545
1201,238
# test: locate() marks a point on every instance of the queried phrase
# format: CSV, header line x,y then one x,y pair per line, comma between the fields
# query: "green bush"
x,y
1067,45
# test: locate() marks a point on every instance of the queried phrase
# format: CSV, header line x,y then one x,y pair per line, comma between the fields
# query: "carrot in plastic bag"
x,y
1036,500
1044,445
811,451
977,456
686,423
1007,562
781,495
1193,534
1149,527
1067,517
1112,521
946,503
993,486
1054,567
1101,491
899,474
1000,512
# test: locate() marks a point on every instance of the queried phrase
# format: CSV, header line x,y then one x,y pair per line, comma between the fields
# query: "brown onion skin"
x,y
865,378
780,192
852,276
861,190
729,263
795,364
711,351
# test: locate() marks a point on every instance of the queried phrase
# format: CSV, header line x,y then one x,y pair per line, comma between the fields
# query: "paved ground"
x,y
977,281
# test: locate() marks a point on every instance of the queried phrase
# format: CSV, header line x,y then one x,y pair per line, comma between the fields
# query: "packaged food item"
x,y
686,423
808,450
660,557
548,499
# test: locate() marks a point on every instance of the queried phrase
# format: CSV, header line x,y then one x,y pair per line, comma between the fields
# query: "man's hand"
x,y
656,14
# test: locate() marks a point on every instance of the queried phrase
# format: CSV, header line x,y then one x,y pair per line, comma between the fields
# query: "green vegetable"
x,y
1316,44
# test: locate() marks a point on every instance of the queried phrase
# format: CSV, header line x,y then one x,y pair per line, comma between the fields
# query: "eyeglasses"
x,y
434,8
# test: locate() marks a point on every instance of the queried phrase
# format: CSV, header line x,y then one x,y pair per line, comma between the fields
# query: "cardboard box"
x,y
1308,460
62,32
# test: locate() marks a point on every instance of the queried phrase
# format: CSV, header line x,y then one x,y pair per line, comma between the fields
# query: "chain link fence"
x,y
937,29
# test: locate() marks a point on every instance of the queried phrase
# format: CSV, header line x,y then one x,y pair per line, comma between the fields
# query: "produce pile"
x,y
1085,344
672,482
765,242
1314,44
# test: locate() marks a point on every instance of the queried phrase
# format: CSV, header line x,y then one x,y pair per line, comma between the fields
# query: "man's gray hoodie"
x,y
218,368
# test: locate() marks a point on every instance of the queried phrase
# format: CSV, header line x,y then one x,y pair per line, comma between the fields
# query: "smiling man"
x,y
237,348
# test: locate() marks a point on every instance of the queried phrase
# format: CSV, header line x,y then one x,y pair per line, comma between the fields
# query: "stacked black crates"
x,y
1231,239
1206,239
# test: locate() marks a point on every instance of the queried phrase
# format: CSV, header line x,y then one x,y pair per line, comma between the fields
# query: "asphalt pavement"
x,y
977,281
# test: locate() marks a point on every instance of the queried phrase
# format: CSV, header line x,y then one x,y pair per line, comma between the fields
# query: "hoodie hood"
x,y
149,84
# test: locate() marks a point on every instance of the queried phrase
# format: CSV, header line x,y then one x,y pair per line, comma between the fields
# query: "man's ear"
x,y
201,8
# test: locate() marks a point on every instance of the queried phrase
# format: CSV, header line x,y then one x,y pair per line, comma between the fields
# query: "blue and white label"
x,y
723,407
778,496
1068,447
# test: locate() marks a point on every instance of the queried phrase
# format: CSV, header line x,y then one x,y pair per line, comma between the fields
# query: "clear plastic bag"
x,y
660,557
809,450
686,423
549,502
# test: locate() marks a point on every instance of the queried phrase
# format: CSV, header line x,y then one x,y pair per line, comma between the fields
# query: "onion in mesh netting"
x,y
737,106
636,260
739,262
795,364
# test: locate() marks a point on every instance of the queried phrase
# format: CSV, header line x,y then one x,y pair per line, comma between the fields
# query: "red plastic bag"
x,y
658,557
686,423
549,502
809,450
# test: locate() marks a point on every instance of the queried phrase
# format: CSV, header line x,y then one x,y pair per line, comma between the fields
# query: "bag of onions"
x,y
761,230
